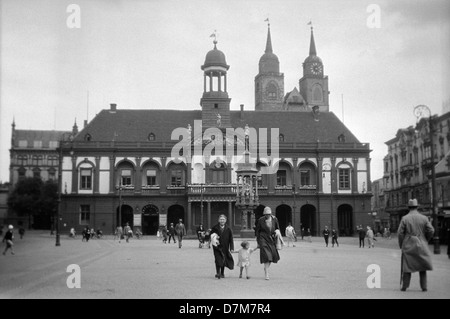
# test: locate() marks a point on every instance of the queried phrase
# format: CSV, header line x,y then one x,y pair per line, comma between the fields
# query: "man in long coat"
x,y
180,230
414,232
222,251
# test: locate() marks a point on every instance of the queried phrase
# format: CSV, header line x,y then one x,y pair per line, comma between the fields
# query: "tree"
x,y
32,197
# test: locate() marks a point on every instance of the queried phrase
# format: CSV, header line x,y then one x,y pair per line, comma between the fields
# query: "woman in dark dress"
x,y
265,236
222,254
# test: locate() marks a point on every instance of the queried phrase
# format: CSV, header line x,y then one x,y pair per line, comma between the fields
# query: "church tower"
x,y
269,83
215,102
313,84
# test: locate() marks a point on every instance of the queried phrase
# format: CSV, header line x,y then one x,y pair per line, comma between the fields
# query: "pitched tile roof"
x,y
136,125
36,135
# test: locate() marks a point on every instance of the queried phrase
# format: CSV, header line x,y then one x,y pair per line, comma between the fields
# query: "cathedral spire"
x,y
312,45
269,41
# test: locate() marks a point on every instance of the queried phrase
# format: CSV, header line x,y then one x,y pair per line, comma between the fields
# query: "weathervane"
x,y
268,22
214,35
310,23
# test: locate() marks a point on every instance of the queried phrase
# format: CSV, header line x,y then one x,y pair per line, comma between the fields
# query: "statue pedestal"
x,y
247,233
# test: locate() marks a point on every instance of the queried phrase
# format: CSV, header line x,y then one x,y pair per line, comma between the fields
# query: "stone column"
x,y
189,219
163,187
355,176
112,175
138,176
208,214
319,175
74,176
97,175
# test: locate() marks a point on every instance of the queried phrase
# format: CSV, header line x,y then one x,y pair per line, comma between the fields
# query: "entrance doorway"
x,y
284,216
150,219
174,213
127,216
345,220
308,218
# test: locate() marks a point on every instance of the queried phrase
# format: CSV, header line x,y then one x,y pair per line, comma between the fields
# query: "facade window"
x,y
52,174
37,160
85,214
151,177
427,152
126,177
37,173
177,178
22,160
86,178
53,144
21,172
386,167
23,143
317,94
281,178
305,177
37,144
344,178
272,91
52,160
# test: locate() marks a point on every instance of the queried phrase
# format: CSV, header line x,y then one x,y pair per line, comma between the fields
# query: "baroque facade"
x,y
122,168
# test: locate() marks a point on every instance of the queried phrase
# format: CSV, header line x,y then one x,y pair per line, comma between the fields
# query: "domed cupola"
x,y
269,63
215,102
215,58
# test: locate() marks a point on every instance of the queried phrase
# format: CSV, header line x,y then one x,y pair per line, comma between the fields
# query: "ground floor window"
x,y
85,214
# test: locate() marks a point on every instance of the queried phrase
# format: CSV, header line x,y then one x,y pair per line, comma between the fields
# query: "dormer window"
x,y
88,137
151,137
281,138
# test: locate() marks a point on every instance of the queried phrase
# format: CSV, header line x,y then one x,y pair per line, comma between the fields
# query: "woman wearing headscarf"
x,y
223,245
265,235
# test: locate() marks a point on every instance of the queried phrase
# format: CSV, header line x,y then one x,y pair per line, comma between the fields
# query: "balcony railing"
x,y
211,189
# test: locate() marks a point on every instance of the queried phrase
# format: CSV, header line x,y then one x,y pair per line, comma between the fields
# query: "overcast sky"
x,y
147,55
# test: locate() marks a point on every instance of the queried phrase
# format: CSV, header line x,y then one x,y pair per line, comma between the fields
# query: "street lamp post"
x,y
58,209
120,204
419,111
293,213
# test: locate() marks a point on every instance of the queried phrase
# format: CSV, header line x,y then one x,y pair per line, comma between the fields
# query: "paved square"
x,y
147,268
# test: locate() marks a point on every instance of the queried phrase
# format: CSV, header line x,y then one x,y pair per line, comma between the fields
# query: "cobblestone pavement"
x,y
148,268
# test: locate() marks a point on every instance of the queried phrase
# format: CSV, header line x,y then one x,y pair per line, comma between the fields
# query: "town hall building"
x,y
120,168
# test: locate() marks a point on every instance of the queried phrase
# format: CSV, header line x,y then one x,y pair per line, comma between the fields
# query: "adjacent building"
x,y
134,166
407,169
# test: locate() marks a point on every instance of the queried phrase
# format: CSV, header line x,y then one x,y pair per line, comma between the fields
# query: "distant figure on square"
x,y
86,234
21,232
171,232
302,232
370,237
244,258
8,238
119,233
223,246
326,235
180,230
72,233
334,238
362,236
414,232
164,234
290,234
128,232
265,236
308,235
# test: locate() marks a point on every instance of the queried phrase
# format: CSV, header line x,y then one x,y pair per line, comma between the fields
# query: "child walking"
x,y
244,258
9,236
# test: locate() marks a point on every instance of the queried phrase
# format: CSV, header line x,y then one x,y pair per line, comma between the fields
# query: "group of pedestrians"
x,y
179,230
267,233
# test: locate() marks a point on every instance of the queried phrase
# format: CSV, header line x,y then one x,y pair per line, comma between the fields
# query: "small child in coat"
x,y
244,258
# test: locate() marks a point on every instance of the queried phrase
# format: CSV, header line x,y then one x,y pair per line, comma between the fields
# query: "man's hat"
x,y
10,227
413,203
267,210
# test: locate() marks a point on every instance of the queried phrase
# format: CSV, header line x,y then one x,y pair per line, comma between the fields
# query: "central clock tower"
x,y
313,84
